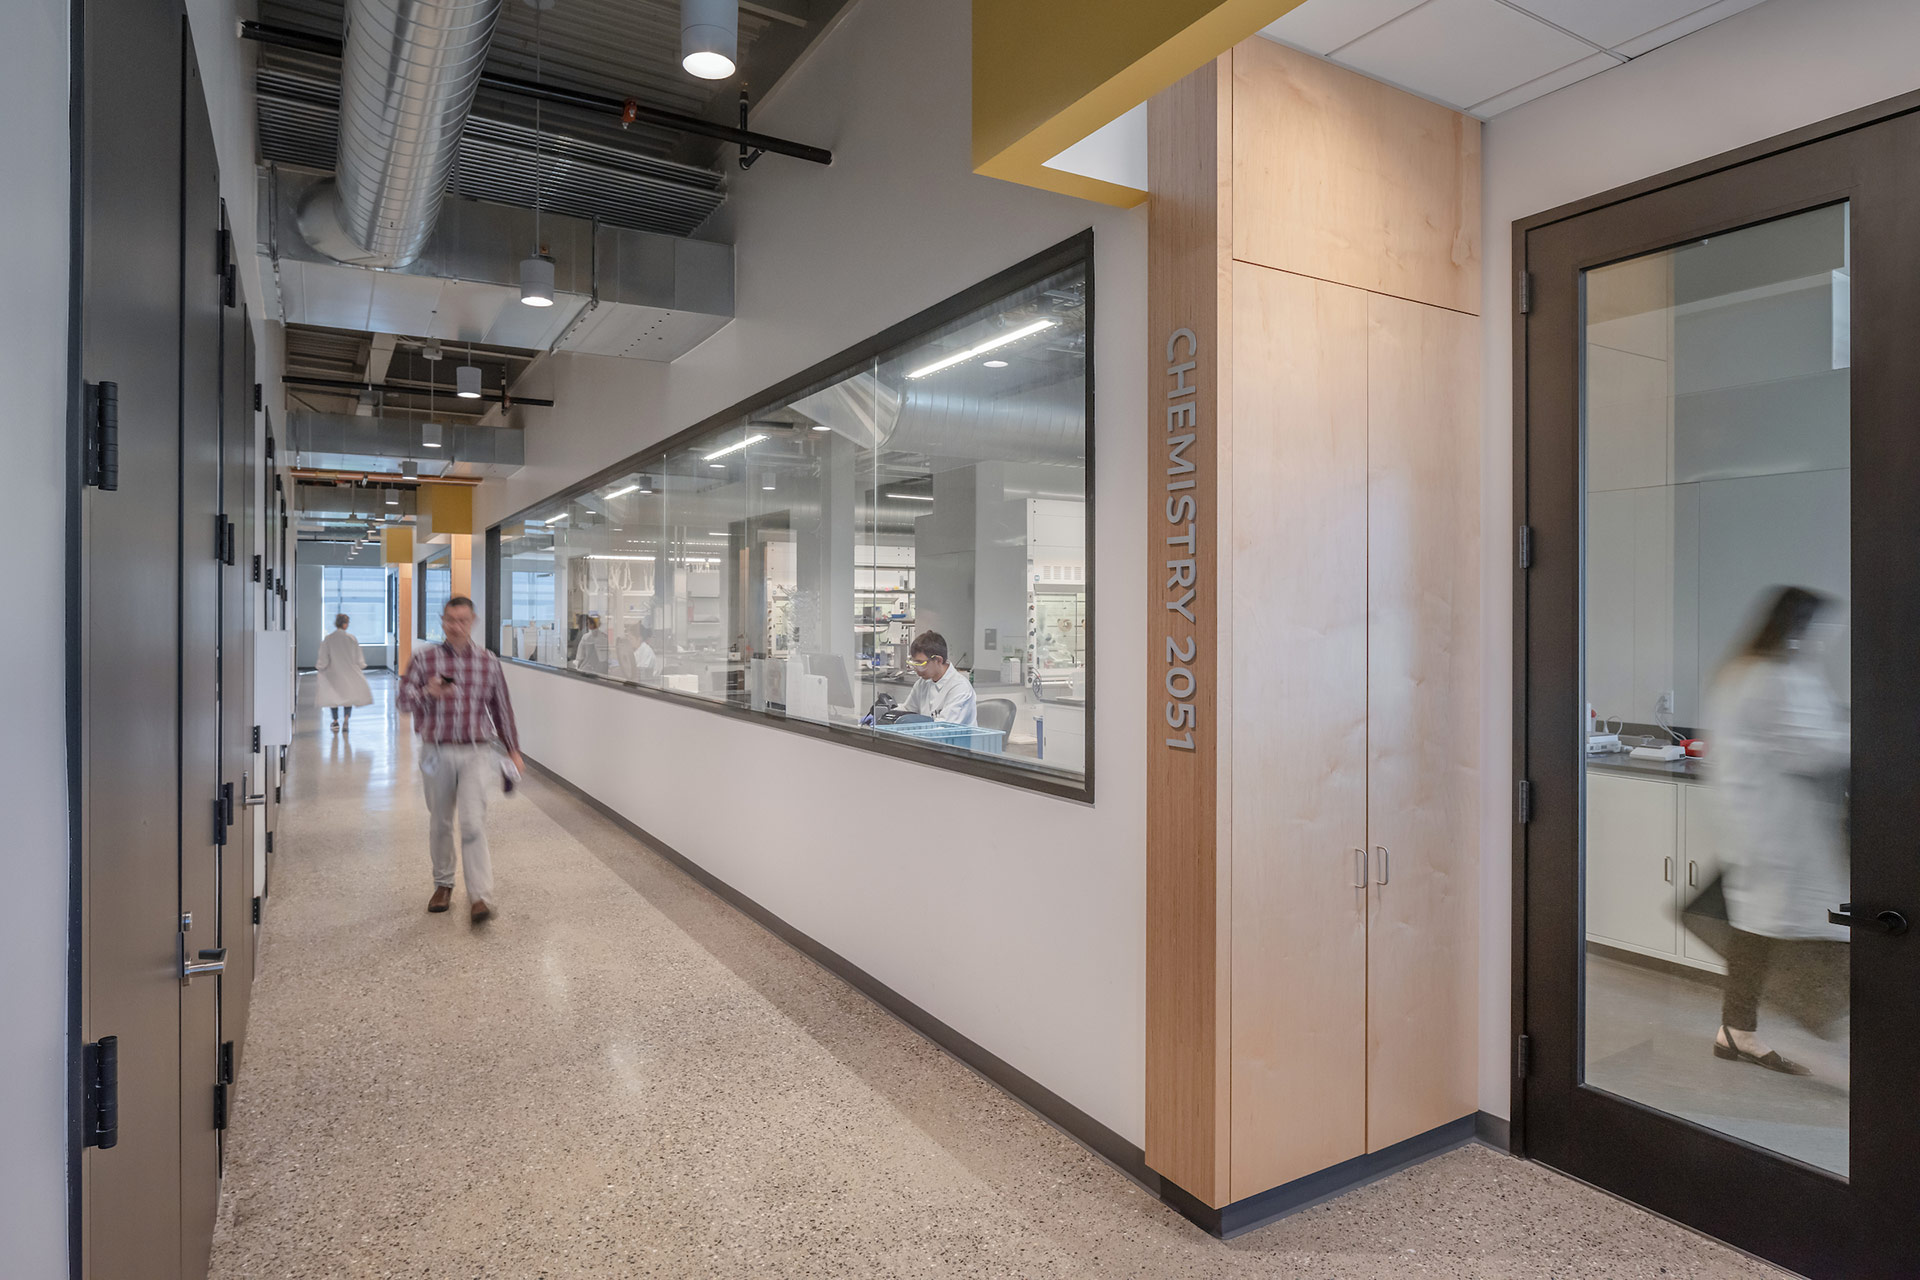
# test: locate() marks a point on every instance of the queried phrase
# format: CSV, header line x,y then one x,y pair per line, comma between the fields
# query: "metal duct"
x,y
958,418
407,76
338,442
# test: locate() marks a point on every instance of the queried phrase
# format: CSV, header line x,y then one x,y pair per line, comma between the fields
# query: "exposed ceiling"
x,y
411,385
1487,56
644,177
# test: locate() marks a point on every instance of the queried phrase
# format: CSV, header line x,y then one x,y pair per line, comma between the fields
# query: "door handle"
x,y
1359,868
254,802
211,960
1891,923
1666,869
1386,861
1693,874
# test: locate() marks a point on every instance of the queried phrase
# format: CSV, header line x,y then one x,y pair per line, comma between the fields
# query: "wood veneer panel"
x,y
1188,974
1423,714
1299,744
1346,179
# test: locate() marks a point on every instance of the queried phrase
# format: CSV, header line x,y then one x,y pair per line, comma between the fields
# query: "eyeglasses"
x,y
918,662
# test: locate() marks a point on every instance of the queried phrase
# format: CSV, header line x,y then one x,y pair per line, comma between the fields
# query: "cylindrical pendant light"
x,y
709,37
393,497
536,281
432,435
466,381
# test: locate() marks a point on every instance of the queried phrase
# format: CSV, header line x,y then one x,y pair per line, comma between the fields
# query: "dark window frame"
x,y
1077,251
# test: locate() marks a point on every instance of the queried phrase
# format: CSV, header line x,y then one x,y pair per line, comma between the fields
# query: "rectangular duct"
x,y
617,291
340,442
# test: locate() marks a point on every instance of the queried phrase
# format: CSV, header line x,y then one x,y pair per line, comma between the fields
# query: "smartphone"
x,y
448,680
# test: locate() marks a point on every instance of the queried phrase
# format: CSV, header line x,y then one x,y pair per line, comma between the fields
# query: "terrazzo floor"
x,y
623,1077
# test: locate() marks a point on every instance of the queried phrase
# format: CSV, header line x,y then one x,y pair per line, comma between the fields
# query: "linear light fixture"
x,y
557,519
621,493
913,497
735,448
990,344
598,556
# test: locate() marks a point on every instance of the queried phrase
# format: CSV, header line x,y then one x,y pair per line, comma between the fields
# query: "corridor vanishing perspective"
x,y
623,1076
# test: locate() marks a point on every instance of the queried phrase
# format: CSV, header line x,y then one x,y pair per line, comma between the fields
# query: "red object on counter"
x,y
1695,747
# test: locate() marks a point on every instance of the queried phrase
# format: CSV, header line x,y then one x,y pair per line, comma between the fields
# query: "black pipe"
x,y
294,38
394,388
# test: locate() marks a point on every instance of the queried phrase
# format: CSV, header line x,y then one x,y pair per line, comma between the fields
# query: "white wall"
x,y
1017,918
33,787
1774,68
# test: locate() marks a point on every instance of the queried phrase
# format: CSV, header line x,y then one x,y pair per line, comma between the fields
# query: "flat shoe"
x,y
441,900
1771,1060
482,913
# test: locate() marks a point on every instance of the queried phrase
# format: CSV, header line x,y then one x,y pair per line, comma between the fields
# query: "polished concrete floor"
x,y
622,1077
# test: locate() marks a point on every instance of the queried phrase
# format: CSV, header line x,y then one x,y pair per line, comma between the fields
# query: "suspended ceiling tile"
x,y
1560,79
1488,49
1321,26
1686,26
1610,22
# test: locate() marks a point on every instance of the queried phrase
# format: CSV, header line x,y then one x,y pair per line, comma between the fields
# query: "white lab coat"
x,y
949,699
339,664
1780,751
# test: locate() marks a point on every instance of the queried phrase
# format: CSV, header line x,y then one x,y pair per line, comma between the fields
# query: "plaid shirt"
x,y
479,696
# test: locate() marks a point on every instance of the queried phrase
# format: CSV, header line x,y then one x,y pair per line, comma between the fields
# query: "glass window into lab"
x,y
898,551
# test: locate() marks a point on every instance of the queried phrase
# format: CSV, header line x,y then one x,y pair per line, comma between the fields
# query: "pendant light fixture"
x,y
393,497
432,435
466,379
536,272
709,37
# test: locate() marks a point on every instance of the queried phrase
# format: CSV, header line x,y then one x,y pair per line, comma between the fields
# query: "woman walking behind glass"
x,y
1781,748
340,664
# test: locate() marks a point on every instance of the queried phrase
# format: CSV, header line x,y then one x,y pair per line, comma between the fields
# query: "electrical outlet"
x,y
1664,705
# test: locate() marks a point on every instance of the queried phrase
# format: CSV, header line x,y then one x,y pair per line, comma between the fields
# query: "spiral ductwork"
x,y
407,77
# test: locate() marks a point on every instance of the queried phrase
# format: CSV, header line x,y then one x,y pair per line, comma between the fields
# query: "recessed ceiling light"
x,y
996,364
823,427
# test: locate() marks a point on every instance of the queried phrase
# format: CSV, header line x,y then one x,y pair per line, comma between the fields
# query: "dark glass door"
x,y
1717,710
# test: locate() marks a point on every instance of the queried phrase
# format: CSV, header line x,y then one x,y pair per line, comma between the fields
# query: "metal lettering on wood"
x,y
1188,238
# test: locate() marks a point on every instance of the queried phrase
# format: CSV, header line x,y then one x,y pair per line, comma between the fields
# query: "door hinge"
x,y
219,822
256,901
1526,546
222,248
223,1088
257,568
1526,293
100,1068
230,286
228,558
1524,802
1523,1056
103,435
259,403
256,739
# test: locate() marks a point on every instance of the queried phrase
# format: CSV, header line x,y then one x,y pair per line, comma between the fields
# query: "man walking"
x,y
453,690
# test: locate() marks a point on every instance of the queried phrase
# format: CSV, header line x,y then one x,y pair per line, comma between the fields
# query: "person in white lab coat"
x,y
942,693
1781,748
635,654
339,666
590,653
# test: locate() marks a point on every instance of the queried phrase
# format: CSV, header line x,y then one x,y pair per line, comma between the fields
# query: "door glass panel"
x,y
1716,605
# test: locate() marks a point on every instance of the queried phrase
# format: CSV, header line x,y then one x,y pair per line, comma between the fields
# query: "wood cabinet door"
x,y
1298,662
1422,574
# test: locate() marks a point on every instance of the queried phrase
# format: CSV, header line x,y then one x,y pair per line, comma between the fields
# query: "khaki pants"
x,y
455,776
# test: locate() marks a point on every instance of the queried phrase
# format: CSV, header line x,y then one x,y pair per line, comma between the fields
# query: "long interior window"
x,y
787,560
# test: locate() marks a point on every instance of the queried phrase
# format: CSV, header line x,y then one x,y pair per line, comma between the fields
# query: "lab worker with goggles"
x,y
942,693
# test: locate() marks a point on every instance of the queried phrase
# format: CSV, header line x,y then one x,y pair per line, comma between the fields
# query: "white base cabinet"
x,y
1652,844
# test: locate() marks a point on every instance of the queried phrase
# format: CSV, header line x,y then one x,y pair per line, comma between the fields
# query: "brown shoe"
x,y
482,913
442,898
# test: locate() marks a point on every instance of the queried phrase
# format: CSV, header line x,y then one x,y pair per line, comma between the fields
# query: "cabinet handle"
x,y
1385,861
1693,873
1359,868
1667,869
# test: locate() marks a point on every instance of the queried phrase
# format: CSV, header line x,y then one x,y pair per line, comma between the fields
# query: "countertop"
x,y
1687,770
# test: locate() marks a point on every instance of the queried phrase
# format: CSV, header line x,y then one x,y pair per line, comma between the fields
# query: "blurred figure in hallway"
x,y
339,665
457,696
1781,747
590,653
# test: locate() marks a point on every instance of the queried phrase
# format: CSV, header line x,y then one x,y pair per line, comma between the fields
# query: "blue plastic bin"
x,y
965,736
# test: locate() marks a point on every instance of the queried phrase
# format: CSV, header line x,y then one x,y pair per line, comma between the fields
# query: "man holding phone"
x,y
457,696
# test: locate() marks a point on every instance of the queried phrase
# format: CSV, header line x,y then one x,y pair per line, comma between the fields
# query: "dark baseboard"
x,y
1036,1097
1257,1211
1230,1220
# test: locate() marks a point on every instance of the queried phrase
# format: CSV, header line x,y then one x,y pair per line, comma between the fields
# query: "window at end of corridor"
x,y
898,551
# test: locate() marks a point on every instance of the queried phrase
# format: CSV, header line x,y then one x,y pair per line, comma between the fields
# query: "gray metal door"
x,y
207,543
127,641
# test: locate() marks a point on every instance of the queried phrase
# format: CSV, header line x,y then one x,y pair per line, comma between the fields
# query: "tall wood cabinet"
x,y
1312,861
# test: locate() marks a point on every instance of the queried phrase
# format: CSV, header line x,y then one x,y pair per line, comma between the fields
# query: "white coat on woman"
x,y
1781,748
340,664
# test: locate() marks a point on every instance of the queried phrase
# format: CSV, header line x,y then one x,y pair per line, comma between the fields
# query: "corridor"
x,y
621,1076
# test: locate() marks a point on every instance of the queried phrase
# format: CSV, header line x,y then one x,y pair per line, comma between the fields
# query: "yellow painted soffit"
x,y
1046,74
